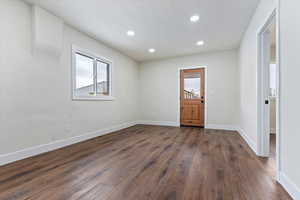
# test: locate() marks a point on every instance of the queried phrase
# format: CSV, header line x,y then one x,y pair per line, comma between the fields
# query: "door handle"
x,y
202,101
266,101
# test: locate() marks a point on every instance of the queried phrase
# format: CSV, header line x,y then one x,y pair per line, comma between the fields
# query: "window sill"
x,y
98,98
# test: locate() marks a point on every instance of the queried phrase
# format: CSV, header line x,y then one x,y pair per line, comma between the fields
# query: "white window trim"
x,y
76,49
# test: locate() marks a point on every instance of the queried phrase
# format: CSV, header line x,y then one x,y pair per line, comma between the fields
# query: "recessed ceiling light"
x,y
151,50
200,43
194,18
130,33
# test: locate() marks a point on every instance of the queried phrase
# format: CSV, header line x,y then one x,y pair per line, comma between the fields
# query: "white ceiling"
x,y
160,24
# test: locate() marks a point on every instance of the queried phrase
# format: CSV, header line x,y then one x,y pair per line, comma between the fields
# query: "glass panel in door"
x,y
192,85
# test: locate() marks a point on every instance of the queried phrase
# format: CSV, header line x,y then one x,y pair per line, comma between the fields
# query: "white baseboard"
x,y
158,123
250,142
289,186
33,151
221,127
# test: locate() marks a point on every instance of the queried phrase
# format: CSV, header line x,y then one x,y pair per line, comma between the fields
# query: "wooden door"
x,y
192,97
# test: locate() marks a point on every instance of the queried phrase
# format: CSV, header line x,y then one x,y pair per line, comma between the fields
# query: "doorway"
x,y
268,82
272,92
192,97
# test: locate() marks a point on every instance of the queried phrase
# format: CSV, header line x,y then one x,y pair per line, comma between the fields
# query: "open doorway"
x,y
268,92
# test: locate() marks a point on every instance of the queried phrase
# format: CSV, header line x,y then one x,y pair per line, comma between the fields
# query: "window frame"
x,y
96,58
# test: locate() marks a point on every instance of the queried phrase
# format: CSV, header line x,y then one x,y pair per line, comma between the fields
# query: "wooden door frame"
x,y
262,114
178,92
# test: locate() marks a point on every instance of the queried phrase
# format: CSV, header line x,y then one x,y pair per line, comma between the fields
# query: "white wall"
x,y
35,90
290,97
160,94
272,99
248,71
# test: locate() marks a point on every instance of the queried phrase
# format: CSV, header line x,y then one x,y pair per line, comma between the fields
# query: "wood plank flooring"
x,y
146,163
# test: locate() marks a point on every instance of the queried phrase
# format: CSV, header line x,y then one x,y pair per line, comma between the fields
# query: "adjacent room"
x,y
149,100
272,91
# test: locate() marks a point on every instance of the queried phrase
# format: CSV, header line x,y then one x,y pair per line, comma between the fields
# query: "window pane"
x,y
273,80
84,76
192,85
102,78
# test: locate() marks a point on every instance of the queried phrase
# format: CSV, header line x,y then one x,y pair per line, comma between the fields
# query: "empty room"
x,y
149,100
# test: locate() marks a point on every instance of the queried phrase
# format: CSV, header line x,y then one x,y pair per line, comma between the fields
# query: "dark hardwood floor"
x,y
146,163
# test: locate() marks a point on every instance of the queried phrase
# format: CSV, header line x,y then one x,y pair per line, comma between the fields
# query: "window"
x,y
91,76
272,80
192,85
